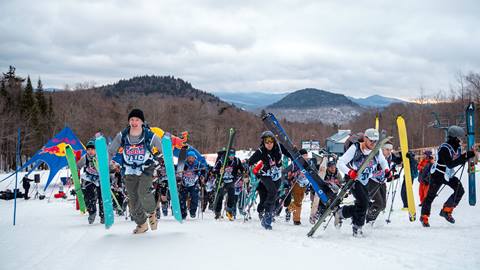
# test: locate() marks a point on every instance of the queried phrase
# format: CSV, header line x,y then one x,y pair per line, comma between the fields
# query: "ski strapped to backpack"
x,y
333,205
310,173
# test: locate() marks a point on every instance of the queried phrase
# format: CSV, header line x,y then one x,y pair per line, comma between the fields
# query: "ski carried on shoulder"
x,y
333,205
310,172
472,197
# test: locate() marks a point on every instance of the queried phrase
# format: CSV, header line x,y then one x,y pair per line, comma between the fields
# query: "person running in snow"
x,y
424,167
160,186
209,187
233,169
91,183
137,142
193,173
270,153
334,180
377,187
349,163
299,185
449,156
116,179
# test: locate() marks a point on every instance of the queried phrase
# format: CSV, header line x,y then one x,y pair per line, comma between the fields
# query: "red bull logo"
x,y
179,142
59,150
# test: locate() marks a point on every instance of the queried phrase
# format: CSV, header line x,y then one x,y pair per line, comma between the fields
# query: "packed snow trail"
x,y
55,236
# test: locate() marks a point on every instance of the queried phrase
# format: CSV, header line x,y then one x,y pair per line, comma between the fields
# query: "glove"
x,y
352,174
388,174
470,154
258,167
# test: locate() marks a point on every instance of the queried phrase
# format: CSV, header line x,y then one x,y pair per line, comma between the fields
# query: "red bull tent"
x,y
53,154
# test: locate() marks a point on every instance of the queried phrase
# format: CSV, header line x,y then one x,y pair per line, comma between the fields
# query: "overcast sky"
x,y
358,48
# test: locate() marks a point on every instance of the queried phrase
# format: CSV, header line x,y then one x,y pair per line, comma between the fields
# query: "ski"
x,y
402,136
72,164
182,155
332,206
171,178
225,158
310,173
472,197
104,173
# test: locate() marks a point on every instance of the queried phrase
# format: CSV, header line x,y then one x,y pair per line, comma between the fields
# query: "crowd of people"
x,y
140,186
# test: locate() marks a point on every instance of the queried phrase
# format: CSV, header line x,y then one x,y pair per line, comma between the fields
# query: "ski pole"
x,y
443,185
394,192
285,198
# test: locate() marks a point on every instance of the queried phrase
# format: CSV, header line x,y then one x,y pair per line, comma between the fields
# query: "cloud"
x,y
352,47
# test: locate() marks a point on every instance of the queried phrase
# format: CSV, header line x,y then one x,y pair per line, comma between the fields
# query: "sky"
x,y
357,48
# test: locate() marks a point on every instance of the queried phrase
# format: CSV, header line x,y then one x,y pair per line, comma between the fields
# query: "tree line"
x,y
175,106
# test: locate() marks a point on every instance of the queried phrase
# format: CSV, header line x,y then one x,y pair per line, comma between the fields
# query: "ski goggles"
x,y
269,140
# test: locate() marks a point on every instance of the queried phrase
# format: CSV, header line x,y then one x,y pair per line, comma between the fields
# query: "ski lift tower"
x,y
443,122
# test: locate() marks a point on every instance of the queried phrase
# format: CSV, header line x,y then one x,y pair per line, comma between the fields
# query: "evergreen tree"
x,y
41,101
28,101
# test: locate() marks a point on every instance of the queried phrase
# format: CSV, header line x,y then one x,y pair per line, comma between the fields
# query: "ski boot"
x,y
102,220
230,216
357,231
157,213
424,221
288,215
152,220
193,215
267,221
165,210
446,212
141,228
260,215
297,223
217,215
338,218
91,218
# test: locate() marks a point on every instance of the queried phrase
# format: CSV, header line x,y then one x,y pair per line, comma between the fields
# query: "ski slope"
x,y
52,235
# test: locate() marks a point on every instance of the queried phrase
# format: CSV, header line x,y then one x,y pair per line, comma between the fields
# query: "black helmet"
x,y
302,151
90,144
267,134
455,132
331,163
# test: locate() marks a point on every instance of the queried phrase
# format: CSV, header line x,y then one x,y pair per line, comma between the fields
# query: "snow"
x,y
52,235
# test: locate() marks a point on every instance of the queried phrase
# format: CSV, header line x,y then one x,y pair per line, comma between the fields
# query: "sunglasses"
x,y
268,140
372,141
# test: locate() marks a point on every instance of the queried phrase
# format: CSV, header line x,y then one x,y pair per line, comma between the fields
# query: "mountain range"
x,y
255,101
307,105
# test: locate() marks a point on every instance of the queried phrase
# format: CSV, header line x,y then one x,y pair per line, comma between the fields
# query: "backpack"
x,y
352,139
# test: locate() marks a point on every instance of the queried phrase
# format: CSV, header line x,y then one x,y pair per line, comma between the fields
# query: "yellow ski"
x,y
402,135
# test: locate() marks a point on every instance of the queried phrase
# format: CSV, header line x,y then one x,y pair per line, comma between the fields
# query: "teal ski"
x,y
172,180
104,173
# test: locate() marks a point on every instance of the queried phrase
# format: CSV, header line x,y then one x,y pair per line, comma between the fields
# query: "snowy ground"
x,y
52,235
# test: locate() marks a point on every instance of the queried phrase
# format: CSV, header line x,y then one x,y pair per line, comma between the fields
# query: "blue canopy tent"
x,y
53,154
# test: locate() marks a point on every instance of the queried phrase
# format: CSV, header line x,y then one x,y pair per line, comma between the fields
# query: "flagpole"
x,y
16,180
